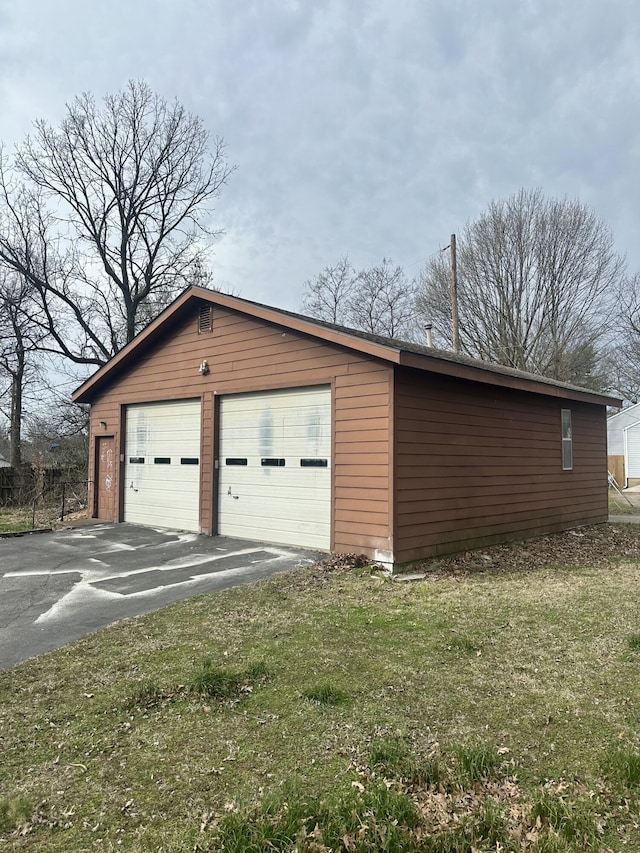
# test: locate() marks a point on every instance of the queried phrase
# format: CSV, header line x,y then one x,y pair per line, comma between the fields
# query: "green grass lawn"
x,y
624,505
21,519
15,521
484,710
46,517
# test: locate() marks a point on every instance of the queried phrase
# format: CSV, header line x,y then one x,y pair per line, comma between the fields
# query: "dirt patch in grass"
x,y
594,546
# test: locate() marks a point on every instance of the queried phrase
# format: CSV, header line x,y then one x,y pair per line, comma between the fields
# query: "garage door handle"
x,y
235,497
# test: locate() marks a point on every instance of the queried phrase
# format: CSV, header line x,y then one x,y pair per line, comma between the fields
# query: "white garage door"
x,y
162,465
275,467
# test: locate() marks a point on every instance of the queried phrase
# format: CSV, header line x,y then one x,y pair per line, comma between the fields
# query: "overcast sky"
x,y
363,128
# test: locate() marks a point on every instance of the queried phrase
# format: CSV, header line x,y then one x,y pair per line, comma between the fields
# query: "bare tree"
x,y
379,300
621,367
383,301
536,278
60,433
623,355
19,342
129,186
327,296
629,303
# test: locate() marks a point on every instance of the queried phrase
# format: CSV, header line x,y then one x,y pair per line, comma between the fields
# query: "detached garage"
x,y
229,417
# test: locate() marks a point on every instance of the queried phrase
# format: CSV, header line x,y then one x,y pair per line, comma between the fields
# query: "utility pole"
x,y
455,337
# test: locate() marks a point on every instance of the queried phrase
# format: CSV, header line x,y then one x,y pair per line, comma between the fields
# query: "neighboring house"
x,y
229,417
4,463
623,445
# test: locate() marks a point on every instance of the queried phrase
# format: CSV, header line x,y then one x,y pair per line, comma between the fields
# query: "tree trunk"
x,y
15,434
15,425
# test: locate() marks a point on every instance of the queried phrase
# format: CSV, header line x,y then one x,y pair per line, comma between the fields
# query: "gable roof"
x,y
628,412
387,349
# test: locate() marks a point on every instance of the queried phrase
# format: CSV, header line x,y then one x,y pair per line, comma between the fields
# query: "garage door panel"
x,y
264,491
308,534
162,464
243,500
274,466
293,477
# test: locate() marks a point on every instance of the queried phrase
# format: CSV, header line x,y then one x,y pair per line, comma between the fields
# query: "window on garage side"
x,y
567,440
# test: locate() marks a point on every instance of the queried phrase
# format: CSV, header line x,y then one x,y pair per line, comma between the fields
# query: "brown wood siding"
x,y
362,509
246,354
206,464
476,465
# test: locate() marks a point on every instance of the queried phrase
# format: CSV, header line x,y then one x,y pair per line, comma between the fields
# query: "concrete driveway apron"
x,y
57,587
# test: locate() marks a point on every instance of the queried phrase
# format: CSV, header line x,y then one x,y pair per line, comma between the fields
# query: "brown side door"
x,y
106,478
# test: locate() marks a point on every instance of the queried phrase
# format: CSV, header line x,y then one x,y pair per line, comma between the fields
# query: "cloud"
x,y
370,128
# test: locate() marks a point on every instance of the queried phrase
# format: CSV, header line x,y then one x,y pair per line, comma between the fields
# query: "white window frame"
x,y
567,439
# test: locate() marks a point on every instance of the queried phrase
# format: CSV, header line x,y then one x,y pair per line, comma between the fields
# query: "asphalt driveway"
x,y
57,587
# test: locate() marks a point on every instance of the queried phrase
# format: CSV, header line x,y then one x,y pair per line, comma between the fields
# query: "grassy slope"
x,y
540,664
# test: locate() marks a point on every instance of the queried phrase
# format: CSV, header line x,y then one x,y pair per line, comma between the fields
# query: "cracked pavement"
x,y
57,587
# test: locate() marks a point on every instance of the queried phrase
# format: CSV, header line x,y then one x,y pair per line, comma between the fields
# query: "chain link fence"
x,y
37,498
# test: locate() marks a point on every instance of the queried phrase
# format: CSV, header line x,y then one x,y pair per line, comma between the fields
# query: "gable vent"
x,y
205,319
